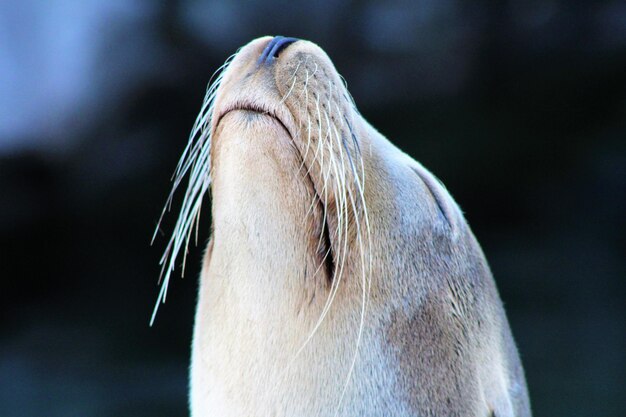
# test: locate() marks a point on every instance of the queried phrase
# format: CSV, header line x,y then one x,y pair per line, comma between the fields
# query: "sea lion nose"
x,y
274,48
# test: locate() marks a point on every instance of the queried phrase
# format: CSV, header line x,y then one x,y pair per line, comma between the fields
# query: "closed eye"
x,y
444,208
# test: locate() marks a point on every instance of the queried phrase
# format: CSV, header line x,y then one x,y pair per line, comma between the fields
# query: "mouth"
x,y
253,108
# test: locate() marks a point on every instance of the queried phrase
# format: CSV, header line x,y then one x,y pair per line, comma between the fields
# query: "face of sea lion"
x,y
341,277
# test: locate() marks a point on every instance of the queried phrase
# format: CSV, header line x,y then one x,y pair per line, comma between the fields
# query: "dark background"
x,y
518,106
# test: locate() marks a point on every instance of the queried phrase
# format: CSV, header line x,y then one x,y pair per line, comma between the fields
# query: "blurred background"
x,y
518,106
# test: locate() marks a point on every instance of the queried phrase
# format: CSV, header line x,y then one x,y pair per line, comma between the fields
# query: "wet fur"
x,y
406,321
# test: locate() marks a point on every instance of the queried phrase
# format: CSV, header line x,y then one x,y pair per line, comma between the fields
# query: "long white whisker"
x,y
195,161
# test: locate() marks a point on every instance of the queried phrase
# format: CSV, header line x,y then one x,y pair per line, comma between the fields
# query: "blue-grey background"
x,y
519,106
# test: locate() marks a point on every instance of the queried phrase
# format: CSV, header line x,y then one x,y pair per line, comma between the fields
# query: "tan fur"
x,y
435,340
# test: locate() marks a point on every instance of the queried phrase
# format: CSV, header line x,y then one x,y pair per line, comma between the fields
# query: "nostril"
x,y
279,45
274,48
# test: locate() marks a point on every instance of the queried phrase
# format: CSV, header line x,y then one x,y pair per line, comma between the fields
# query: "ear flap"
x,y
448,209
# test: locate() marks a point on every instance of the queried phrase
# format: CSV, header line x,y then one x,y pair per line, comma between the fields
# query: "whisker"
x,y
195,162
292,84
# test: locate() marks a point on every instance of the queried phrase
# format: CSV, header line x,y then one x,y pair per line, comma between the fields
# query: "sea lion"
x,y
341,277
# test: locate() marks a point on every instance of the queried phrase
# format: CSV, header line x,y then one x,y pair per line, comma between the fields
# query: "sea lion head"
x,y
302,185
286,131
324,236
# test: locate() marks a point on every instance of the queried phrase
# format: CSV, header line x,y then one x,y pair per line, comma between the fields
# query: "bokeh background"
x,y
519,106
